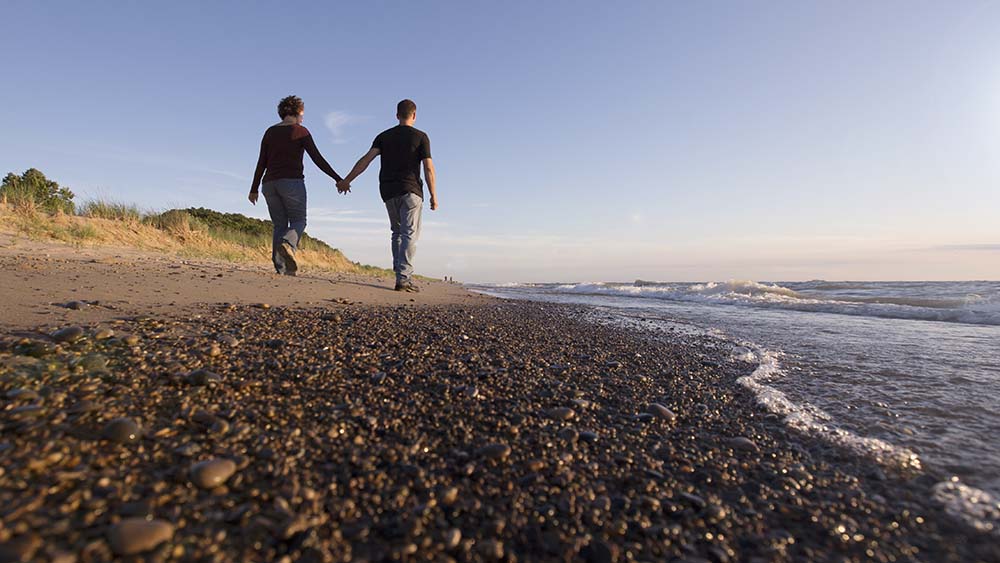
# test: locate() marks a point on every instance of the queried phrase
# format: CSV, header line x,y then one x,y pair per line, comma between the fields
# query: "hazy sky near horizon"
x,y
574,141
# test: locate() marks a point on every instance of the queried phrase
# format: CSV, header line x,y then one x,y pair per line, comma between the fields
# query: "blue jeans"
x,y
404,220
286,203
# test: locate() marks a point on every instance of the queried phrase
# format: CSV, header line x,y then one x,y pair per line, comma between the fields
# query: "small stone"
x,y
203,377
741,443
93,363
491,550
136,535
714,513
661,412
379,378
263,306
560,413
694,499
36,348
103,334
213,351
76,305
22,395
452,538
569,434
588,436
68,334
599,552
494,451
449,496
229,340
121,430
21,548
212,473
644,417
83,406
131,339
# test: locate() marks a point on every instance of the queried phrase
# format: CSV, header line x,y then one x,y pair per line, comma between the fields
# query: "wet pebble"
x,y
121,430
21,548
560,413
68,334
452,538
494,451
22,394
661,412
744,444
228,340
212,473
104,334
202,377
137,535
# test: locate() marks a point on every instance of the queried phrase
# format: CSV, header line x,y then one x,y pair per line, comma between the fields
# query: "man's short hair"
x,y
290,105
405,109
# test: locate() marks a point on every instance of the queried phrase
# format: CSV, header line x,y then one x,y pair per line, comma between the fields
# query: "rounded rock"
x,y
661,412
742,443
103,334
203,377
122,430
560,413
68,334
212,473
495,451
136,535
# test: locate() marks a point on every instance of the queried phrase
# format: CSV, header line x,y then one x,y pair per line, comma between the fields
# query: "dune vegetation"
x,y
33,206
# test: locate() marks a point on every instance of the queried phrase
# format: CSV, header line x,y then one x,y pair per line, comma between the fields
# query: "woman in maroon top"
x,y
284,187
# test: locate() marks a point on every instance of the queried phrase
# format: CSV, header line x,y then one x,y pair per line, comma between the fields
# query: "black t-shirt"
x,y
402,149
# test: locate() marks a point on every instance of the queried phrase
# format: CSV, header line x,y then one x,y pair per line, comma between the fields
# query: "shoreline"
x,y
497,430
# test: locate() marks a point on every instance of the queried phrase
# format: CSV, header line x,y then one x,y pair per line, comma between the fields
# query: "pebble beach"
x,y
492,431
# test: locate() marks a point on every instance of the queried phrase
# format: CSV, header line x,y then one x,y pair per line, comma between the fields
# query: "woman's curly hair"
x,y
290,105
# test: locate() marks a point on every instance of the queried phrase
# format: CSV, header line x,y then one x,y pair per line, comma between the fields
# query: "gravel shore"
x,y
488,432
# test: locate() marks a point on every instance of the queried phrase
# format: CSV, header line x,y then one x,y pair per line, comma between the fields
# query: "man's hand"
x,y
434,204
343,186
253,197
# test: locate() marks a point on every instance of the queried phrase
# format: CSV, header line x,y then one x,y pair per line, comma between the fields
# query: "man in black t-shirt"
x,y
403,149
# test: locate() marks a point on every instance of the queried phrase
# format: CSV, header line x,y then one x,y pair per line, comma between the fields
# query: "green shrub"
x,y
33,189
174,220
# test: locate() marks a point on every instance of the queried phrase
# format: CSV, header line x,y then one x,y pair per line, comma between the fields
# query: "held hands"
x,y
343,186
253,197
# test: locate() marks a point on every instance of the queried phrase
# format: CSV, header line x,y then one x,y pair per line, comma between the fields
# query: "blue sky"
x,y
573,140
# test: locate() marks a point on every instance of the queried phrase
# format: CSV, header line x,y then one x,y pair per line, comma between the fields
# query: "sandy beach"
x,y
163,410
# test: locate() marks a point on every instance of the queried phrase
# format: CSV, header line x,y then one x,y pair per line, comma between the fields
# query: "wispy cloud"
x,y
987,247
337,121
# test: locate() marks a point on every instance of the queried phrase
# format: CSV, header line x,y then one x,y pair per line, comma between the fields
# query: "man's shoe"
x,y
410,288
287,252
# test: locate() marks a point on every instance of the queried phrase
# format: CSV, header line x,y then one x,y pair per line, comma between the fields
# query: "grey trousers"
x,y
286,203
404,221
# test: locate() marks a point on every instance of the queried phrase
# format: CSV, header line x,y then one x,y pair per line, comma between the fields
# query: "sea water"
x,y
907,373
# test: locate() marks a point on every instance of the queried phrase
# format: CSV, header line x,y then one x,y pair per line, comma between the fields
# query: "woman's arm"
x,y
318,160
259,172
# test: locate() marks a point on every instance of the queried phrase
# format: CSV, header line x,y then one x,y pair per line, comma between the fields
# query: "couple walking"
x,y
404,149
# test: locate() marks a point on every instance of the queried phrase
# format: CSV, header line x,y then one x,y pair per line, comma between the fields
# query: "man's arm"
x,y
358,169
431,182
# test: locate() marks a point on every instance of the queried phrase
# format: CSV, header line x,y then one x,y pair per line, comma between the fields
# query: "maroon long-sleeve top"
x,y
281,155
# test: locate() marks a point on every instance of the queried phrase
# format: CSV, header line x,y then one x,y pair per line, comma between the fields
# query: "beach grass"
x,y
189,233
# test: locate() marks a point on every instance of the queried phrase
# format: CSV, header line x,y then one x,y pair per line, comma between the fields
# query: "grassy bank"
x,y
191,233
